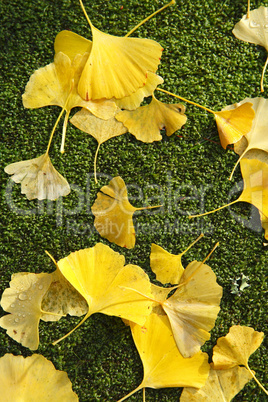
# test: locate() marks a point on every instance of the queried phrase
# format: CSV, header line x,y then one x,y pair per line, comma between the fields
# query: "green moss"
x,y
203,61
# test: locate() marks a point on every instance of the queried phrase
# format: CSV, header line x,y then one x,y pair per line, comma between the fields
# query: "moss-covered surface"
x,y
202,61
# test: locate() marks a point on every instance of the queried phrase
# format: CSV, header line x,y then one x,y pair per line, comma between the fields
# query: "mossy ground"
x,y
202,61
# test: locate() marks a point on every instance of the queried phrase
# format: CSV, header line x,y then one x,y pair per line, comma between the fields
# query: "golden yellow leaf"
x,y
167,267
71,44
235,348
99,275
101,130
39,179
234,123
163,364
32,379
117,67
113,214
133,101
23,300
146,122
221,386
193,308
253,28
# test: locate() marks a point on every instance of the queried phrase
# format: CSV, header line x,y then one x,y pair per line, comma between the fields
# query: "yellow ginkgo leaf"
x,y
39,179
163,364
61,299
264,223
236,347
133,101
113,214
221,386
167,267
33,378
117,66
101,130
56,84
71,44
255,192
99,275
256,137
234,123
146,122
23,300
253,28
193,308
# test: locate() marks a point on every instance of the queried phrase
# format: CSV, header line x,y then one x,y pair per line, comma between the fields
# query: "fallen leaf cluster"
x,y
109,77
168,331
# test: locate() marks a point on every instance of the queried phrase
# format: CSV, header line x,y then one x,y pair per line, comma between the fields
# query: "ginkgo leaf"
x,y
231,125
101,130
99,275
236,347
71,44
113,214
264,223
61,299
193,308
255,138
23,300
146,122
56,84
167,267
253,28
39,179
234,123
133,101
255,192
117,66
33,378
163,364
221,386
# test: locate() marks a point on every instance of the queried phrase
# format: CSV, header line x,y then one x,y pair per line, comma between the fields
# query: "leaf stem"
x,y
69,333
248,12
95,163
214,210
150,207
185,100
262,76
131,393
257,381
85,13
54,128
149,17
64,131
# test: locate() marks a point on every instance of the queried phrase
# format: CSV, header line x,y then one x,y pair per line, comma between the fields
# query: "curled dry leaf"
x,y
39,179
33,378
146,122
99,275
221,386
253,28
23,300
163,364
113,214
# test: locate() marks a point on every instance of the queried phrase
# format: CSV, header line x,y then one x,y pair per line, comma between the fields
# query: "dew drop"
x,y
17,320
40,287
12,305
22,296
30,298
23,315
254,24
